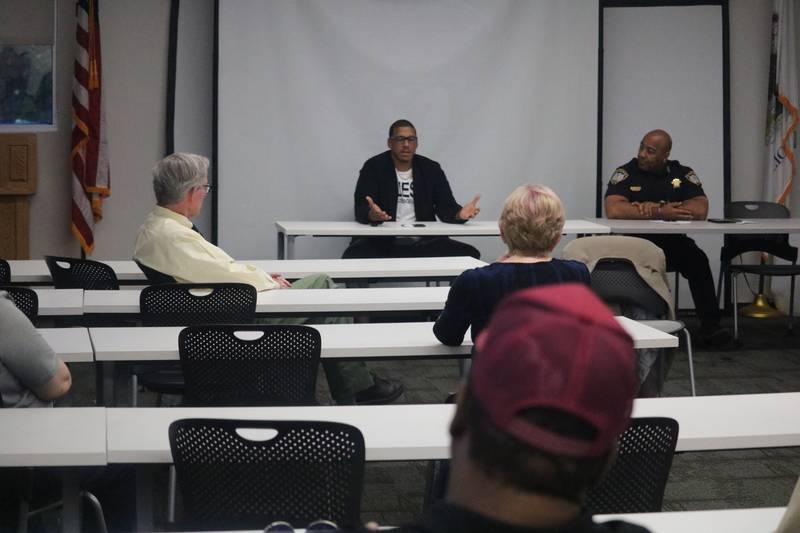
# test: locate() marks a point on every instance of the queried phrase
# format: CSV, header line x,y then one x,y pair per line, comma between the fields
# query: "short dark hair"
x,y
509,460
402,123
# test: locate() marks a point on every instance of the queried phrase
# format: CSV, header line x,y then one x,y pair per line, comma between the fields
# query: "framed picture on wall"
x,y
26,87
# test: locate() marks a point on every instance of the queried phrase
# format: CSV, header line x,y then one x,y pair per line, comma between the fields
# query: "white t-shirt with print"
x,y
405,197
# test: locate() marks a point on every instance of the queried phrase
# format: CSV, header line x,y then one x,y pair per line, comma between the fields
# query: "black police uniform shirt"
x,y
677,184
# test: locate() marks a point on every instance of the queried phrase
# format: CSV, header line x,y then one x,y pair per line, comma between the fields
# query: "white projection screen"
x,y
662,68
501,92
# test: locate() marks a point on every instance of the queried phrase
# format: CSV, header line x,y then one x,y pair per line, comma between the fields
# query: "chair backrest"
x,y
636,481
232,478
616,281
776,244
73,273
25,299
153,275
250,365
188,304
5,271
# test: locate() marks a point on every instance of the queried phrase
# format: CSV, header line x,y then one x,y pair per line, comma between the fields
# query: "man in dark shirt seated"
x,y
550,391
403,186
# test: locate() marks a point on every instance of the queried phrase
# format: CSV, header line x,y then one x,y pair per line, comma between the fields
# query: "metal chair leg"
x,y
735,306
791,306
677,290
134,390
96,507
691,360
171,495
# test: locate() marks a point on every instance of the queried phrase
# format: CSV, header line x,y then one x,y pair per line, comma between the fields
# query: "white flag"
x,y
782,114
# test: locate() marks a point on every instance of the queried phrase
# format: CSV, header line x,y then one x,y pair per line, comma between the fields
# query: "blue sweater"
x,y
475,293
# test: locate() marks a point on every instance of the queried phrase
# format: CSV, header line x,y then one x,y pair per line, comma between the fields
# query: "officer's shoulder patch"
x,y
692,178
619,176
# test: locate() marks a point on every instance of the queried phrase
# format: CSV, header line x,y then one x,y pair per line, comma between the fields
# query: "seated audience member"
x,y
409,188
537,422
168,243
30,373
530,225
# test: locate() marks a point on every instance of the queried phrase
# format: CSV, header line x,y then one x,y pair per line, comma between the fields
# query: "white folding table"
x,y
289,230
35,272
55,437
764,519
73,345
752,226
60,302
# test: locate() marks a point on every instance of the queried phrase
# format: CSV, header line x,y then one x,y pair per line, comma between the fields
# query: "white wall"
x,y
135,37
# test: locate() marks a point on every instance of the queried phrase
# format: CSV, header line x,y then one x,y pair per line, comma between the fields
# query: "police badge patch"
x,y
619,175
692,178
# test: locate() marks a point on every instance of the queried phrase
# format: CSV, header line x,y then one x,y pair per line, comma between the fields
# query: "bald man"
x,y
653,187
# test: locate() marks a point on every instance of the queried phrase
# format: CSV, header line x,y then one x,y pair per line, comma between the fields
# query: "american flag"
x,y
91,178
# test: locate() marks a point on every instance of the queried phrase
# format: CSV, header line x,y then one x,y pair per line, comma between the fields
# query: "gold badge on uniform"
x,y
635,188
676,183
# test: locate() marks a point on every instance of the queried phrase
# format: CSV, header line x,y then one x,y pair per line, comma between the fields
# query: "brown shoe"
x,y
382,391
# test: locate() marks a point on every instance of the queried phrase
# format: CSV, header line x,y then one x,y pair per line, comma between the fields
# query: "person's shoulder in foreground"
x,y
534,429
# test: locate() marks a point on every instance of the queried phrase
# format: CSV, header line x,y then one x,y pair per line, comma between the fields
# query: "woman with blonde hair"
x,y
530,225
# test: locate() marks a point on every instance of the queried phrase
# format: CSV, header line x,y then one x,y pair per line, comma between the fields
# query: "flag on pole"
x,y
91,179
782,114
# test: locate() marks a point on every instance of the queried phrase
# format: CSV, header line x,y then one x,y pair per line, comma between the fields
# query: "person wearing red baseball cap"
x,y
537,421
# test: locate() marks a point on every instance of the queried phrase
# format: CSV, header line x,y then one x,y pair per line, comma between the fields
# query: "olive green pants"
x,y
345,378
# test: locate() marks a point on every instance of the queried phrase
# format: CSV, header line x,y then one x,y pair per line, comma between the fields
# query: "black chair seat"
x,y
5,271
767,270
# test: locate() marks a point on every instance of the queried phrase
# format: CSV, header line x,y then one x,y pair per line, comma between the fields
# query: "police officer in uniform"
x,y
655,188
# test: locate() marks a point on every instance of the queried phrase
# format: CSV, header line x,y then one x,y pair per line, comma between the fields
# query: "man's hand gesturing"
x,y
376,214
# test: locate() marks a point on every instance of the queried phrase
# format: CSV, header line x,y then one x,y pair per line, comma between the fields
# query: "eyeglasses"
x,y
317,525
207,187
399,139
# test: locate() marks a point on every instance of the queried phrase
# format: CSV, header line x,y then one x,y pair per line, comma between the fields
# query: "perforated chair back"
x,y
5,272
73,273
153,275
187,304
25,299
249,365
776,244
616,281
636,481
306,472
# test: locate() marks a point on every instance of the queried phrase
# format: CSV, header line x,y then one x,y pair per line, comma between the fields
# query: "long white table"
x,y
66,438
764,520
60,302
73,345
419,432
755,225
289,230
350,341
299,301
35,271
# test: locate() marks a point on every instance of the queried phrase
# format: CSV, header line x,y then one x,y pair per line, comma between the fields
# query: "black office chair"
x,y
73,273
5,272
249,365
153,275
25,299
187,304
616,281
244,474
637,479
773,244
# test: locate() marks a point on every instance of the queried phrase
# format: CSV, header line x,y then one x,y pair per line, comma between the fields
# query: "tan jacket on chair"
x,y
647,258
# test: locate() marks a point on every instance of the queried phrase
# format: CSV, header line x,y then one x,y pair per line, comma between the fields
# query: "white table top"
x,y
756,225
35,270
60,302
406,339
74,436
473,227
299,301
73,345
418,432
762,520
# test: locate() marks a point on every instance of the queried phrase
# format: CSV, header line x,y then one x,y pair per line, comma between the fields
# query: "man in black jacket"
x,y
411,189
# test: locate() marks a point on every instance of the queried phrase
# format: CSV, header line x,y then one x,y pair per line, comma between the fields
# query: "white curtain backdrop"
x,y
501,92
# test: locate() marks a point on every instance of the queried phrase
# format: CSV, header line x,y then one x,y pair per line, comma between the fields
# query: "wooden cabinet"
x,y
17,184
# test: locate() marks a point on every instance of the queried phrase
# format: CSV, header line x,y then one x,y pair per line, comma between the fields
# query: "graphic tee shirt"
x,y
405,197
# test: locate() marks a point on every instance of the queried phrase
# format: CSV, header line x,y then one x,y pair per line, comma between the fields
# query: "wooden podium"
x,y
17,184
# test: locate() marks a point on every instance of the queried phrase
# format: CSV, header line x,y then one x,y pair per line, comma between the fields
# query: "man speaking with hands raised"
x,y
403,186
